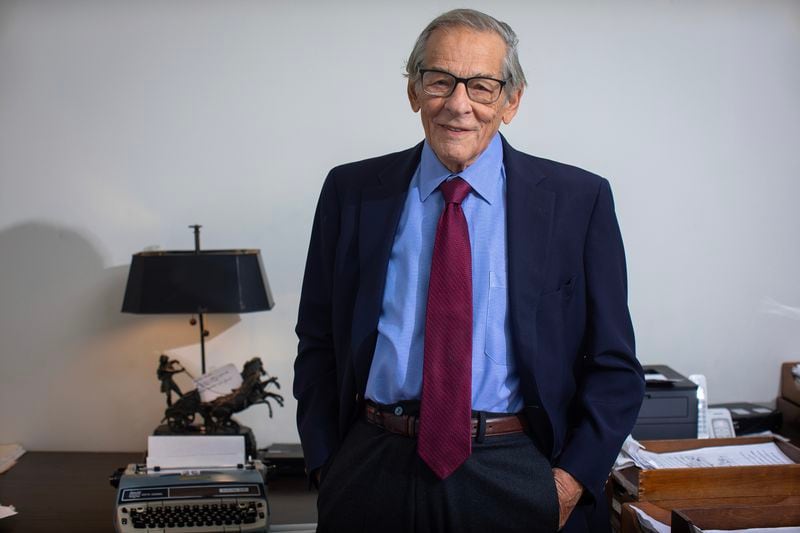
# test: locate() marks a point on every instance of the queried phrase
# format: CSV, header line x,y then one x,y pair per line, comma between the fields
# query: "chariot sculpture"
x,y
217,414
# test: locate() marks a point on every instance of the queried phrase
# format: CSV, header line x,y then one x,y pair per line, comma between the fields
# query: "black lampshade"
x,y
208,281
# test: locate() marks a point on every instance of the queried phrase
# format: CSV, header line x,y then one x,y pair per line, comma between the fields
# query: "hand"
x,y
569,492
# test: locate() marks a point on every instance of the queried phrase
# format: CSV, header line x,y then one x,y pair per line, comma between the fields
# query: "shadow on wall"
x,y
75,372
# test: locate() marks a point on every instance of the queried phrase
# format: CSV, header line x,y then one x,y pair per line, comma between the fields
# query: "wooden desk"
x,y
69,491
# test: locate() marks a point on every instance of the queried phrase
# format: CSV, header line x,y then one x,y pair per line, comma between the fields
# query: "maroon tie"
x,y
445,439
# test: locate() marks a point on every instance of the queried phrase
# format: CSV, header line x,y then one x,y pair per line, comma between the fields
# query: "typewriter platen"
x,y
219,500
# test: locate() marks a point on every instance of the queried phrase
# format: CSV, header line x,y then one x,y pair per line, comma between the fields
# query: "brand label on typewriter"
x,y
144,494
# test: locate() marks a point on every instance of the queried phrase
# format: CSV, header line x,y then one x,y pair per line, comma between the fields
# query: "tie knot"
x,y
455,190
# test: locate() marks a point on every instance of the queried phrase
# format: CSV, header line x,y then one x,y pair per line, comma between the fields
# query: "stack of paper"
x,y
9,453
767,453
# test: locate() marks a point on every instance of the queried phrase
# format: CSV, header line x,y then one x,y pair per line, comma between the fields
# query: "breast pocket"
x,y
496,347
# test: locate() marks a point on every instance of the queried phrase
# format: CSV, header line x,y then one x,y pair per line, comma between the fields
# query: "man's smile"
x,y
455,129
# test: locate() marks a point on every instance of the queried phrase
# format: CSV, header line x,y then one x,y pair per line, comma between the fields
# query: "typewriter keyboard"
x,y
202,516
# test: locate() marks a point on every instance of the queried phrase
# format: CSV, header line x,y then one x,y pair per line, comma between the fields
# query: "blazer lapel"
x,y
381,207
529,221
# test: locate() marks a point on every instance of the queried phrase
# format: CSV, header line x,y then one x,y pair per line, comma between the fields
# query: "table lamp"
x,y
197,282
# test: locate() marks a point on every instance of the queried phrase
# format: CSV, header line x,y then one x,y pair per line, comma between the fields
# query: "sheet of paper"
x,y
628,453
650,524
740,455
218,382
178,452
9,453
6,511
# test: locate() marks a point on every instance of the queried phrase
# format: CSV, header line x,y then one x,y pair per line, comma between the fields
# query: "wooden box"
x,y
790,388
672,488
719,482
790,412
664,510
629,521
738,517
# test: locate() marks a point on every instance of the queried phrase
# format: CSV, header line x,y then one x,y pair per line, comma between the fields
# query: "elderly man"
x,y
466,358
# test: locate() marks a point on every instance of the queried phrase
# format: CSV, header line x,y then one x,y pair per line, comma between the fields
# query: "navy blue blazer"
x,y
567,288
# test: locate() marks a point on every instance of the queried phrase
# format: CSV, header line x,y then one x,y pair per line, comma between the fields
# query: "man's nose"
x,y
458,101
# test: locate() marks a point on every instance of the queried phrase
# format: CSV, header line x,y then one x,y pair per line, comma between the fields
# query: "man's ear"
x,y
412,97
511,107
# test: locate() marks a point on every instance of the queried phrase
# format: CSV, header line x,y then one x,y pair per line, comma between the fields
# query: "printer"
x,y
669,408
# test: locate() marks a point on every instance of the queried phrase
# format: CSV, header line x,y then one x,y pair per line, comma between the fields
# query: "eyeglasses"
x,y
479,89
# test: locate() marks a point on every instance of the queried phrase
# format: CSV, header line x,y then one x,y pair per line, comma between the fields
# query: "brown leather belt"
x,y
408,425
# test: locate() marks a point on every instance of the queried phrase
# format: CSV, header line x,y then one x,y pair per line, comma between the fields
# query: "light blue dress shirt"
x,y
396,371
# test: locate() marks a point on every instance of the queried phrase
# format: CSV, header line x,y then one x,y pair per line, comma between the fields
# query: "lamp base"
x,y
249,438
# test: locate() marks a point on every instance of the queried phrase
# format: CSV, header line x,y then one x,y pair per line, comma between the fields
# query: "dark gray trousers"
x,y
376,483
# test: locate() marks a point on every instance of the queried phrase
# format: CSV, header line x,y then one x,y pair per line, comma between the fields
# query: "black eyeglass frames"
x,y
480,89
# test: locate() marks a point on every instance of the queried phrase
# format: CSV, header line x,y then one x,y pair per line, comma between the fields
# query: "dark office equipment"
x,y
283,459
669,409
752,418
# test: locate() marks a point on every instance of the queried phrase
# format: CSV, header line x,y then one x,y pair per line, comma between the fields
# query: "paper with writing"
x,y
767,453
218,382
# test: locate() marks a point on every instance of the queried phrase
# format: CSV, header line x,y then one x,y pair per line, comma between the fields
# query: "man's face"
x,y
457,128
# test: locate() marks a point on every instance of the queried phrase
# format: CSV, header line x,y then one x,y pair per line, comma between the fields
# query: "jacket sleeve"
x,y
611,387
315,381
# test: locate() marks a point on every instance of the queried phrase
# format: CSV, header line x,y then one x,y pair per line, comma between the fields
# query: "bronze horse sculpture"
x,y
217,414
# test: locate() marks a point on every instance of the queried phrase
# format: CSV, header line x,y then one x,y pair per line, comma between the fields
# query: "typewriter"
x,y
214,500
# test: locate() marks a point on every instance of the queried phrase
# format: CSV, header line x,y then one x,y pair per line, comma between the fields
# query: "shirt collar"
x,y
482,175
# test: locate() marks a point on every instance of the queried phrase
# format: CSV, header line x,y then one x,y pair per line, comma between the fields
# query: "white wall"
x,y
123,122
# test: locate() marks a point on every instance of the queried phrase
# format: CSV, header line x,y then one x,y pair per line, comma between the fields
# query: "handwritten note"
x,y
218,382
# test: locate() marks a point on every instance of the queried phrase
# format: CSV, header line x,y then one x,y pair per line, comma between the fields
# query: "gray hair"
x,y
469,18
